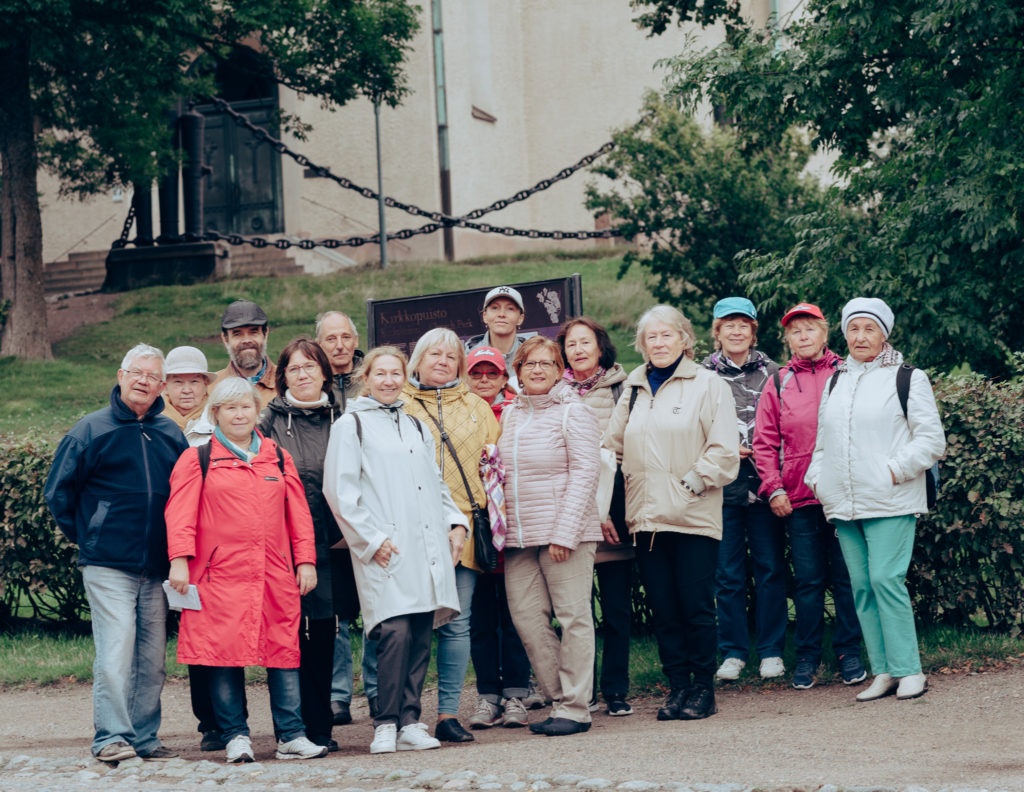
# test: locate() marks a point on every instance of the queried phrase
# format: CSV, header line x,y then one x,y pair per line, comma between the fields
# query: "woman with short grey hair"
x,y
674,432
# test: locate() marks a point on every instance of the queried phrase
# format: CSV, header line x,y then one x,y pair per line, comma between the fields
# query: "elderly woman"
x,y
747,521
188,380
437,395
675,434
239,529
299,420
503,314
550,445
879,432
591,370
784,431
499,658
405,534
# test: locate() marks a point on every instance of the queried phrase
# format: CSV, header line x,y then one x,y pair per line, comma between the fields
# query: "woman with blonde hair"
x,y
674,430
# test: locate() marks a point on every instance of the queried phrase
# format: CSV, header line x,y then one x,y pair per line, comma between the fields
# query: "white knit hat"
x,y
872,308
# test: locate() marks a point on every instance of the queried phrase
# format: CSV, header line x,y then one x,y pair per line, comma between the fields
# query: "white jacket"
x,y
387,486
864,441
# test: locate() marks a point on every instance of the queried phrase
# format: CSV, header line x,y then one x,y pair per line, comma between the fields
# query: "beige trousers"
x,y
538,588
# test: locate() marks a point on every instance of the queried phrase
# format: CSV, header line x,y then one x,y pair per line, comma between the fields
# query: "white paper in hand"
x,y
187,601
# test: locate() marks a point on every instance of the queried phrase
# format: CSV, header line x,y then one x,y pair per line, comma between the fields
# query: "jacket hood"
x,y
612,376
368,403
449,393
827,360
687,369
123,412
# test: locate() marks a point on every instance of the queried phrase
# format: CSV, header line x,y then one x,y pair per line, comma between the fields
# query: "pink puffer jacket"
x,y
550,445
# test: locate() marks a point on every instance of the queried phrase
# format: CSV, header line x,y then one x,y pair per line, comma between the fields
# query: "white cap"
x,y
508,293
186,360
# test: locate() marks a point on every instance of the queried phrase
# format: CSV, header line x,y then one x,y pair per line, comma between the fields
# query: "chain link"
x,y
439,220
128,222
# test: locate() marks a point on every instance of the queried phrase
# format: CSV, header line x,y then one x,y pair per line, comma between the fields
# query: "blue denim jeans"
x,y
453,646
756,528
129,630
227,689
818,564
341,685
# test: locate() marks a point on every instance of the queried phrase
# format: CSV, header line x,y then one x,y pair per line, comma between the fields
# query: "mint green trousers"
x,y
877,553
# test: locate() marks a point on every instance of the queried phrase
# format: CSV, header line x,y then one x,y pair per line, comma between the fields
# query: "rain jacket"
x,y
387,486
786,426
244,529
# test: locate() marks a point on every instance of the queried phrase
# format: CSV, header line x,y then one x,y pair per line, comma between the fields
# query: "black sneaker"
x,y
212,741
617,705
700,703
803,676
673,706
852,669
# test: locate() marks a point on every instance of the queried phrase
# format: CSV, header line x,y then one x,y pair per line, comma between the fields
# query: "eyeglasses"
x,y
308,368
476,375
546,365
145,376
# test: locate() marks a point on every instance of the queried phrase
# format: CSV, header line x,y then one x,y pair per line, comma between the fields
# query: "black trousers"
x,y
316,668
678,574
614,584
403,654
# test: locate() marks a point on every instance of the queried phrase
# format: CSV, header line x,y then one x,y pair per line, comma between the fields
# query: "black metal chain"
x,y
128,222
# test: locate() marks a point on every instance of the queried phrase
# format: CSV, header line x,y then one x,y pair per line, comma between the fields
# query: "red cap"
x,y
802,309
486,354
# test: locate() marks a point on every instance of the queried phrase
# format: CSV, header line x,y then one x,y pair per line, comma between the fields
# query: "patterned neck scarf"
x,y
583,386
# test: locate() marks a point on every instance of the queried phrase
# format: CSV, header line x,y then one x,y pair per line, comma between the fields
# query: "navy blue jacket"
x,y
109,484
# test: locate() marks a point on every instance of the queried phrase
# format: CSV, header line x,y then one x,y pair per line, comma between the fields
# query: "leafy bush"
x,y
969,554
38,566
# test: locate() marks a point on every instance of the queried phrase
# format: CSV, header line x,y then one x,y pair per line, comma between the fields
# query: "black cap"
x,y
243,313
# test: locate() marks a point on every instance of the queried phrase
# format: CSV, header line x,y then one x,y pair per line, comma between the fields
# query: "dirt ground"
x,y
967,732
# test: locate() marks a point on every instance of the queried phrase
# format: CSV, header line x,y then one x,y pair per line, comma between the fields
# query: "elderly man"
x,y
187,383
337,336
107,489
244,329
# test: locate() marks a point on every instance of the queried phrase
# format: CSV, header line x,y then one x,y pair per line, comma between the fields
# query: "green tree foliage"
x,y
87,88
698,197
922,102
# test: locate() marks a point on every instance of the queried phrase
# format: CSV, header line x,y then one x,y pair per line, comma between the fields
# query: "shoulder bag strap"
x,y
451,450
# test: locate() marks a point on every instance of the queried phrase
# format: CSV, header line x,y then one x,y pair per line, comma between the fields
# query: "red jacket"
x,y
244,531
784,434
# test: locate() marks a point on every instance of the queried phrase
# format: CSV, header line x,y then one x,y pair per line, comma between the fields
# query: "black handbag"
x,y
484,552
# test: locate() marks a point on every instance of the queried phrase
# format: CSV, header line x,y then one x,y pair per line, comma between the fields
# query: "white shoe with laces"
x,y
415,737
300,748
239,749
772,667
384,737
730,669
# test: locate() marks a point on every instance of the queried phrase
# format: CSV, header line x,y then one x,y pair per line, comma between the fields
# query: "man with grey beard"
x,y
244,330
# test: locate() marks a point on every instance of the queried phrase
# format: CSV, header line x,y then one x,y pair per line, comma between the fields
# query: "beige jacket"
x,y
678,449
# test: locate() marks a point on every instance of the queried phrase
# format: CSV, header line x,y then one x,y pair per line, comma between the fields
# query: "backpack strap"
x,y
359,427
616,392
903,375
205,453
633,391
833,380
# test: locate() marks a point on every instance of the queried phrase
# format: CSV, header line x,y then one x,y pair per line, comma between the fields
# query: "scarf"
x,y
492,473
241,453
582,387
889,356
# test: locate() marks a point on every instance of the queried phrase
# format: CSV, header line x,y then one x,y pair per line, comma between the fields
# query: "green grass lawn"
x,y
50,396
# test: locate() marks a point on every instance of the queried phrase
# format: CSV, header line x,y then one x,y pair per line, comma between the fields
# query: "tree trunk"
x,y
23,331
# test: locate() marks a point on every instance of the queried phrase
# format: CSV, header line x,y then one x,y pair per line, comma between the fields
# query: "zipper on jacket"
x,y
515,457
144,440
210,561
440,420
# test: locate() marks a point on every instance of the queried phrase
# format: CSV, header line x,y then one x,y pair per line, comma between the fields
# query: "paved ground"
x,y
967,733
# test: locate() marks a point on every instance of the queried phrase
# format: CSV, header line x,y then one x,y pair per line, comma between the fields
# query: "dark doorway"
x,y
243,190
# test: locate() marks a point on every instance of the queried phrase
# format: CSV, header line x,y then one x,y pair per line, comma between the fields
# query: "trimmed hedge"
x,y
968,558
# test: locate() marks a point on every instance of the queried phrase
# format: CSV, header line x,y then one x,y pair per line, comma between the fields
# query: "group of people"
x,y
293,498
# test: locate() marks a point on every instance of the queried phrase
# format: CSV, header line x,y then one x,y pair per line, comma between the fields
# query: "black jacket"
x,y
109,483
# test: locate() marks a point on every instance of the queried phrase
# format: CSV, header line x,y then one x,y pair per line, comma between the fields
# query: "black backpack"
x,y
205,452
932,480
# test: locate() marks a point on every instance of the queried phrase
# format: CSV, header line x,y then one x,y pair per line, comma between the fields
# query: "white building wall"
x,y
557,78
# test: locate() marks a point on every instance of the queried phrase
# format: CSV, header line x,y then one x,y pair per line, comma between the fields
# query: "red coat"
x,y
244,532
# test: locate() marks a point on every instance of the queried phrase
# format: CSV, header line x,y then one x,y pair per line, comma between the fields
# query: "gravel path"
x,y
967,733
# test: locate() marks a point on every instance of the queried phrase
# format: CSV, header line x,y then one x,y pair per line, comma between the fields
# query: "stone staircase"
x,y
85,271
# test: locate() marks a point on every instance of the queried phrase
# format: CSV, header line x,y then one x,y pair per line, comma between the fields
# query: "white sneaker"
x,y
882,685
912,686
731,669
384,738
415,737
239,749
300,748
772,667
